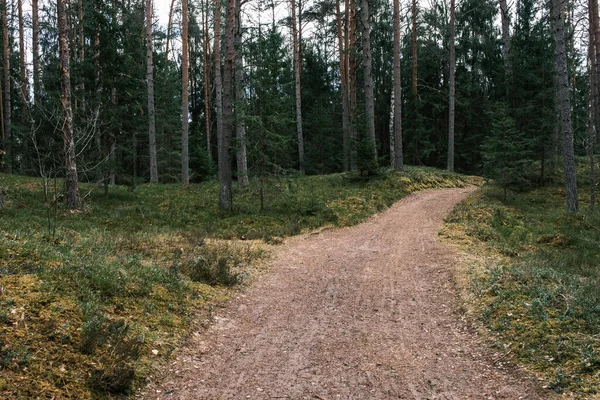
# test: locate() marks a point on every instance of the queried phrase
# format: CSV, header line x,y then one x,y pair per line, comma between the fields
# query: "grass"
x,y
532,279
91,300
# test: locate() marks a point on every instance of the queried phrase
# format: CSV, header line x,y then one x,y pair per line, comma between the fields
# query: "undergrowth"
x,y
89,300
533,279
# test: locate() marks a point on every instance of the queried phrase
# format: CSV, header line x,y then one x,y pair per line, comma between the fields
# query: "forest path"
x,y
365,312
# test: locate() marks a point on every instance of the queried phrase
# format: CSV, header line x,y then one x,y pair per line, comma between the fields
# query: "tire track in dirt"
x,y
366,312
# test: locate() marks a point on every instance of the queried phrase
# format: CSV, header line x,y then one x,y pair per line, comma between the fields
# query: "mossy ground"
x,y
89,300
531,275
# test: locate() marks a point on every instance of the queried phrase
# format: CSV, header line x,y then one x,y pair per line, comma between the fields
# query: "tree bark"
x,y
352,81
150,88
565,106
71,178
185,160
206,69
368,76
22,69
36,52
391,126
298,88
169,26
505,18
225,195
415,61
218,80
7,90
240,123
452,66
398,158
344,86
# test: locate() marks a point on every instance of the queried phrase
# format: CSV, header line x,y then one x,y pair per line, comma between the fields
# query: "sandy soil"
x,y
367,312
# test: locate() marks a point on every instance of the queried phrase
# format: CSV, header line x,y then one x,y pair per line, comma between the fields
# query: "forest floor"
x,y
363,312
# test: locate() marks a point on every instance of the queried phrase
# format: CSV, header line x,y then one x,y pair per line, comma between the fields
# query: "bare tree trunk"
x,y
505,17
169,26
240,123
391,126
36,52
415,61
81,52
452,66
7,89
565,106
22,69
225,195
594,101
71,178
352,81
112,137
150,86
206,54
368,76
185,160
218,80
344,86
297,69
398,158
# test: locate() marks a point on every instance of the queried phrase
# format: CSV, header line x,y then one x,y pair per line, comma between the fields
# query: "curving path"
x,y
367,312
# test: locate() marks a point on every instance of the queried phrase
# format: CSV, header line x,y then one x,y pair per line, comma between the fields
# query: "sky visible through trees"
x,y
309,91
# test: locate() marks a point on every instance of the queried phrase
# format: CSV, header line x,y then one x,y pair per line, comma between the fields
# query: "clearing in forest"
x,y
365,312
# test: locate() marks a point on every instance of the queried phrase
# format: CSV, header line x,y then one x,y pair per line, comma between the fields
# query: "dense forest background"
x,y
274,88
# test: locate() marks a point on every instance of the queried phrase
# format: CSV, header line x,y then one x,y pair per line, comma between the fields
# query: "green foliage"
x,y
123,276
505,152
535,284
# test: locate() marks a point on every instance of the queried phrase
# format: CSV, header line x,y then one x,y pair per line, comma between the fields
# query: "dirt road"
x,y
367,312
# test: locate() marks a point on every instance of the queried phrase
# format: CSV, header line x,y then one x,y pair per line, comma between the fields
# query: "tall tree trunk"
x,y
169,26
594,101
297,71
451,67
185,160
565,105
36,52
71,178
391,126
344,86
351,37
596,54
218,80
7,89
415,61
81,52
206,69
240,123
150,87
398,158
505,17
22,70
225,196
368,77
